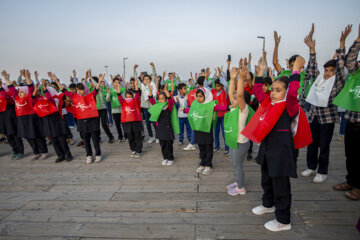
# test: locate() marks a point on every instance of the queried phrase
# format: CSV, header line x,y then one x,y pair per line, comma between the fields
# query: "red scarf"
x,y
3,104
23,106
85,106
130,111
43,107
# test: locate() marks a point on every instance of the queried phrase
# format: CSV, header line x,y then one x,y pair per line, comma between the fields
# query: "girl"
x,y
87,116
202,137
237,155
9,121
131,119
272,125
48,108
164,129
29,124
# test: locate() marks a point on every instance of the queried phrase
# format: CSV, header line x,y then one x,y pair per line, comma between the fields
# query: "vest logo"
x,y
228,131
356,92
263,116
43,105
196,115
82,106
128,110
18,105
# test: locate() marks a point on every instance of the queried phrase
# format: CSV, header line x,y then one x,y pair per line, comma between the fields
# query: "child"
x,y
164,129
181,101
9,121
87,116
220,94
131,118
272,126
48,107
237,155
29,124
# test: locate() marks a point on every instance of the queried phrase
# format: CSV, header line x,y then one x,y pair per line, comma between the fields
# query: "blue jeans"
x,y
192,137
148,123
70,120
343,123
182,122
109,118
219,123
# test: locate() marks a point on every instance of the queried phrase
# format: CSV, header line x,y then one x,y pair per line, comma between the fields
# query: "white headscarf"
x,y
207,93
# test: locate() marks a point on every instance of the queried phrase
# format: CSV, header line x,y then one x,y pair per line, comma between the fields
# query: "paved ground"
x,y
124,198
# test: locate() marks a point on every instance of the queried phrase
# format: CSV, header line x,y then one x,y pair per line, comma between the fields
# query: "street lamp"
x,y
106,70
124,69
263,58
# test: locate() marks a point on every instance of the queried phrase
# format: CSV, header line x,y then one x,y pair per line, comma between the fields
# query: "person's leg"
x,y
64,145
282,199
232,159
188,129
147,121
192,142
117,120
132,143
88,148
343,122
33,146
12,143
163,149
57,147
326,133
223,132
352,139
209,155
138,142
170,149
239,156
202,154
312,149
267,186
109,113
96,141
217,134
69,134
41,143
181,123
102,115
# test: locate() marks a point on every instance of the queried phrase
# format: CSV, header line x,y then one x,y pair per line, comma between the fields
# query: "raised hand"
x,y
74,73
310,43
233,73
49,74
249,58
135,67
241,63
101,77
344,35
152,65
287,64
36,74
262,67
53,77
245,62
277,38
298,64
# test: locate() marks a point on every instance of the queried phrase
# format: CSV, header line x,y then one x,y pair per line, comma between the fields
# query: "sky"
x,y
178,36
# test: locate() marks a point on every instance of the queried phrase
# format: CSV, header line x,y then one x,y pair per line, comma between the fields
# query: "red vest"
x,y
221,99
23,106
85,106
3,104
130,111
267,116
43,107
191,96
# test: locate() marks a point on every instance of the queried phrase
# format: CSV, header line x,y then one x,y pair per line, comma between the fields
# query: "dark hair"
x,y
200,91
129,92
132,79
159,77
116,79
80,86
267,81
217,81
331,63
147,75
284,80
181,85
247,97
162,93
95,79
200,80
292,59
72,85
251,75
161,87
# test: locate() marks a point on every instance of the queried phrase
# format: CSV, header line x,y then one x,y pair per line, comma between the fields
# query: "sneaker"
x,y
60,159
200,169
19,156
340,138
260,210
319,178
111,140
157,141
69,158
231,186
80,144
207,171
2,140
137,155
132,154
189,147
43,156
170,163
307,173
89,159
98,159
226,152
275,226
216,150
13,156
120,140
126,140
236,191
249,157
164,162
181,142
151,140
35,157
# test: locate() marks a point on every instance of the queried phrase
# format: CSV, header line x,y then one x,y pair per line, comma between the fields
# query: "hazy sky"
x,y
181,36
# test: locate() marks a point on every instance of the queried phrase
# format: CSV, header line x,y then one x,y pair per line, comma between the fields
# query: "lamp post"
x,y
106,70
263,59
124,69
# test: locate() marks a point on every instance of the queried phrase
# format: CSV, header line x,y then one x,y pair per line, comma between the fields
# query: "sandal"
x,y
353,194
342,187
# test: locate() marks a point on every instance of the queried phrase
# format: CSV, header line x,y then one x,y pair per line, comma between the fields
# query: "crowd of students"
x,y
283,112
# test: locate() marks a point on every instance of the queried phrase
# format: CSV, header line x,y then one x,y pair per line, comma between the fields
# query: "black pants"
x,y
250,151
102,117
95,138
206,154
16,144
277,192
135,141
322,135
68,130
61,146
38,145
117,120
352,139
167,149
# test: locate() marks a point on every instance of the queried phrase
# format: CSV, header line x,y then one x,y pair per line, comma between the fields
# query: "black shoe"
x,y
249,157
69,158
60,159
111,140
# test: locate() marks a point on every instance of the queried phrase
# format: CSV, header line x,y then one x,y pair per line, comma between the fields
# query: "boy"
x,y
181,104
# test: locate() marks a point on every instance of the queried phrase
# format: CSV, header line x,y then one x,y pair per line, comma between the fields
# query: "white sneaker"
x,y
207,171
189,147
164,162
157,141
89,159
307,173
275,226
170,163
151,140
200,169
98,159
319,178
260,210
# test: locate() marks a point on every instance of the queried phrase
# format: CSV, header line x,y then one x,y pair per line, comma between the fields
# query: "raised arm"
x,y
312,67
153,77
292,102
233,75
240,87
276,50
340,63
259,80
351,59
